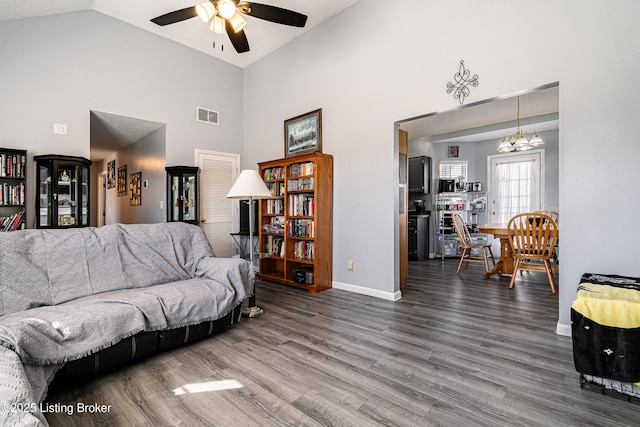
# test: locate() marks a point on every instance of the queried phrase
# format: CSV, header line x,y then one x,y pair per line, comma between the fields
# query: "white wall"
x,y
57,69
372,65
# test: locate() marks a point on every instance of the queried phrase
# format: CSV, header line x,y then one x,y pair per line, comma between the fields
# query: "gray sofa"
x,y
68,296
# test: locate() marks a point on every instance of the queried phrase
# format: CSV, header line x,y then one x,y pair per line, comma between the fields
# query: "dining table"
x,y
507,262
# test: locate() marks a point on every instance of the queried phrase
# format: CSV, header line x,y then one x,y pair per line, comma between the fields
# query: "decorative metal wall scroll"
x,y
461,84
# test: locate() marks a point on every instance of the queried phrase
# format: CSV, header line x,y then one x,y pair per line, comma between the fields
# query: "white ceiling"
x,y
264,37
490,119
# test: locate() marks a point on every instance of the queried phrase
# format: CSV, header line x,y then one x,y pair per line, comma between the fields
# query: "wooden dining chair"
x,y
466,245
532,237
553,214
556,217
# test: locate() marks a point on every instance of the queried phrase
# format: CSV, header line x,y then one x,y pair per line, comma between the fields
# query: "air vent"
x,y
207,116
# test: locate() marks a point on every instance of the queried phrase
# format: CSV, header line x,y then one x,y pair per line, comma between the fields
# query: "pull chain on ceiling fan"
x,y
225,16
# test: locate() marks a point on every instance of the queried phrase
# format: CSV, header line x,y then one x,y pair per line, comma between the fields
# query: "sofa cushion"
x,y
48,267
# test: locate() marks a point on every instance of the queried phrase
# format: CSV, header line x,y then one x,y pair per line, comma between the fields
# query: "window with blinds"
x,y
450,169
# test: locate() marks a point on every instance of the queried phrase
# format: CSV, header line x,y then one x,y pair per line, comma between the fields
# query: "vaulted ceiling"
x,y
263,36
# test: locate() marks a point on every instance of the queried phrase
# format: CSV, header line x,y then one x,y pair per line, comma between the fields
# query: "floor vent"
x,y
207,116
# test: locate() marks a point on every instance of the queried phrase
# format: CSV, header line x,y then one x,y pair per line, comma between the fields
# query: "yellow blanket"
x,y
608,305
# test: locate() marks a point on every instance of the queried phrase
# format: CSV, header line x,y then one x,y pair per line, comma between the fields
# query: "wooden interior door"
x,y
403,216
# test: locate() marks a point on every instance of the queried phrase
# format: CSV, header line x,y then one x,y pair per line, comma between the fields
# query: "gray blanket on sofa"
x,y
65,294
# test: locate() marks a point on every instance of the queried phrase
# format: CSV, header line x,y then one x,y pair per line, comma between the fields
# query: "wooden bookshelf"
x,y
296,224
13,173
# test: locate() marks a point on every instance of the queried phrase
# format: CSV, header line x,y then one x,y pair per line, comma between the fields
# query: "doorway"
x,y
516,183
135,145
473,133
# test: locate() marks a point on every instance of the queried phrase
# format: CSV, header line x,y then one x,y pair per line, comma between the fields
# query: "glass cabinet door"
x,y
182,193
66,197
188,197
175,199
45,195
83,203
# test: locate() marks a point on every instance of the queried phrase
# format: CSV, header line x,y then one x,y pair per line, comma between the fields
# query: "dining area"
x,y
528,242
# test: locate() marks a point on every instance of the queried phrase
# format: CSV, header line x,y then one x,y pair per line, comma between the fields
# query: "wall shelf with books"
x,y
296,234
13,172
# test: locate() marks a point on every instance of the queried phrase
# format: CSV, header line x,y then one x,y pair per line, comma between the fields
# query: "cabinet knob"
x,y
203,220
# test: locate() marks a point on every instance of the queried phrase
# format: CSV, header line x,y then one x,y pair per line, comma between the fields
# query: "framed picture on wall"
x,y
135,187
111,174
454,151
122,180
303,134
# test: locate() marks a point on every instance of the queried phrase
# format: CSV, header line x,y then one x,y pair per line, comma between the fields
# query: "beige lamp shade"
x,y
249,184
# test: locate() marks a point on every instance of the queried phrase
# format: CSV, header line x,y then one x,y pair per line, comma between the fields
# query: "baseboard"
x,y
395,296
563,329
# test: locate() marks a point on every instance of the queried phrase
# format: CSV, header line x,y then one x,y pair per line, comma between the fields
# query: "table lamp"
x,y
250,186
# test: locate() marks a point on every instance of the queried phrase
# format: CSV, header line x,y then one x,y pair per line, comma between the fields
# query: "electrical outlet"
x,y
350,265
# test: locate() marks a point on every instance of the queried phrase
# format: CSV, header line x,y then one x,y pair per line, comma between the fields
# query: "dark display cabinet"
x,y
63,191
182,193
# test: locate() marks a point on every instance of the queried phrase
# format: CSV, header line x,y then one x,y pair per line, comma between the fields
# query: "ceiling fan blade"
x,y
238,40
273,14
175,16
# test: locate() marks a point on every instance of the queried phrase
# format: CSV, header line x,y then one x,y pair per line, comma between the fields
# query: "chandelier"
x,y
520,141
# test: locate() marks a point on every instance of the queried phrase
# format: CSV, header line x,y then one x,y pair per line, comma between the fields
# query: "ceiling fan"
x,y
226,16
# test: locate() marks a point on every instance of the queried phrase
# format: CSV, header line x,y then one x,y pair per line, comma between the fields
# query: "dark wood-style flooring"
x,y
456,350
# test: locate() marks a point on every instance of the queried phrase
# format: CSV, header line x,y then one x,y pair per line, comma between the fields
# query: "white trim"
x,y
536,155
563,329
367,291
102,199
199,151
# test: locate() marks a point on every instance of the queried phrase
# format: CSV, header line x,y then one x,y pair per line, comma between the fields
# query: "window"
x,y
451,169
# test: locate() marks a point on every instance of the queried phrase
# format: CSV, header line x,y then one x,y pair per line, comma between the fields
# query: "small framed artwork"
x,y
303,134
135,186
122,180
454,150
111,174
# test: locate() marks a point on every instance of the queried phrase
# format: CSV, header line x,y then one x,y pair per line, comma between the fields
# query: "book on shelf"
x,y
301,205
300,184
11,195
12,165
304,251
276,188
274,246
11,222
275,206
275,225
302,169
300,228
274,173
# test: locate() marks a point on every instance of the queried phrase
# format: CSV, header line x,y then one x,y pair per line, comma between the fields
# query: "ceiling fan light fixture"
x,y
217,25
237,22
206,11
226,8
